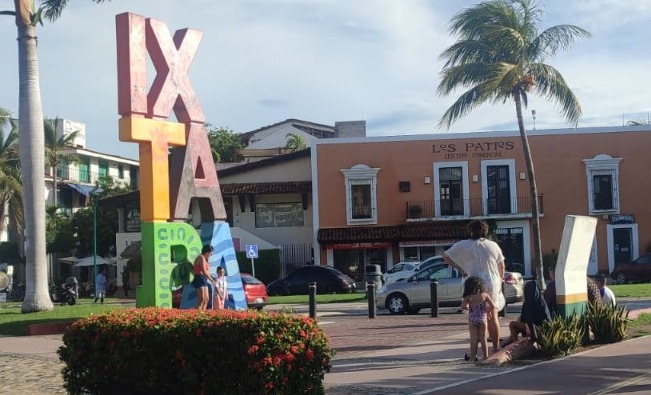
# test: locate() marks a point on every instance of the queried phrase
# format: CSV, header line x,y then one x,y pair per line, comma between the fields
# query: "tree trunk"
x,y
536,259
54,184
32,160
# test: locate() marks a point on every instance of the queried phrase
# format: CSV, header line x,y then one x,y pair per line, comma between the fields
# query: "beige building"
x,y
380,200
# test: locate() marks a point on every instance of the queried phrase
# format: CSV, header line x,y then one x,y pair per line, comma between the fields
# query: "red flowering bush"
x,y
151,350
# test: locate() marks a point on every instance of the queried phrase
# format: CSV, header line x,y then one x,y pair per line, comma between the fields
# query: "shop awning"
x,y
398,233
84,189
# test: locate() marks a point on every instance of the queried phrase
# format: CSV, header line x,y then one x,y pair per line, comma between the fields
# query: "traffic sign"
x,y
252,251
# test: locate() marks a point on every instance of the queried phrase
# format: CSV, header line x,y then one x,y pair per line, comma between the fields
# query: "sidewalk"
x,y
392,355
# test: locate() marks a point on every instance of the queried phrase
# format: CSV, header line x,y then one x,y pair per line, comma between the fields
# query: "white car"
x,y
400,271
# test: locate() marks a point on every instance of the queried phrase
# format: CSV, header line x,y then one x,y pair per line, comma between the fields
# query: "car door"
x,y
297,281
420,287
644,267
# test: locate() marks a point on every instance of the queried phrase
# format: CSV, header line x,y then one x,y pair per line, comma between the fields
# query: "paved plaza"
x,y
396,355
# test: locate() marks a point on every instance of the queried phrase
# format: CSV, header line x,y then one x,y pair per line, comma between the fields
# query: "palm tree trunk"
x,y
536,260
54,184
32,160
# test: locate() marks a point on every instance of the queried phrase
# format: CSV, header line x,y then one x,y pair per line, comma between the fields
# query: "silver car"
x,y
413,294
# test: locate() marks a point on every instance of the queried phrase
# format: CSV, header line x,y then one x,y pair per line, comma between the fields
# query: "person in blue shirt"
x,y
100,286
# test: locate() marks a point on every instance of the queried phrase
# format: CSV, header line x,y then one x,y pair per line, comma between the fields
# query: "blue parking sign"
x,y
252,251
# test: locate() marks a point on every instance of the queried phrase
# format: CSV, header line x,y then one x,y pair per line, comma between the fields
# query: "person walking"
x,y
483,258
100,286
479,305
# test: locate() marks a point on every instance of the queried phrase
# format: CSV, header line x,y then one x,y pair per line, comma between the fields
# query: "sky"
x,y
264,61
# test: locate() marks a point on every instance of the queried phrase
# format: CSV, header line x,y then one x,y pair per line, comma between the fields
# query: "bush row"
x,y
152,350
605,322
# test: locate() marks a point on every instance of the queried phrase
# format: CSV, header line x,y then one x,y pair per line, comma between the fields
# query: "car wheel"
x,y
622,278
397,304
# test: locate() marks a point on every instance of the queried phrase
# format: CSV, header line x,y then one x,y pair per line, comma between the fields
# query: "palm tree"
x,y
499,57
54,146
294,142
11,189
30,115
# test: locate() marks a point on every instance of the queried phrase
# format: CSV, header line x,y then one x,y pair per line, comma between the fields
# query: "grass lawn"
x,y
14,323
326,298
631,290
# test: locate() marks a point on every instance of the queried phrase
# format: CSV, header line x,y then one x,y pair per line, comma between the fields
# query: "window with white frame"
x,y
602,174
499,191
451,189
361,196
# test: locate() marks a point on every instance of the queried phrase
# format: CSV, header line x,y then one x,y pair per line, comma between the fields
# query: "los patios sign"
x,y
475,149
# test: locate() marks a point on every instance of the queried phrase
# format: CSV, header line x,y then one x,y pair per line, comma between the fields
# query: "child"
x,y
478,303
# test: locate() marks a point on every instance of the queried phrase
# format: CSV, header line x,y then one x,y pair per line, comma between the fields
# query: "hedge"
x,y
153,350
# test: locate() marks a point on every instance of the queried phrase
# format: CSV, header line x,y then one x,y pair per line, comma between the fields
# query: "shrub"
x,y
607,321
154,350
560,336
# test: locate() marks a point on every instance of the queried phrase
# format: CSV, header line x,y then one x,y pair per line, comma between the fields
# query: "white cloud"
x,y
262,61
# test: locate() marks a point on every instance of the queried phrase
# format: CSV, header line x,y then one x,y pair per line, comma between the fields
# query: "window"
x,y
602,173
498,189
102,169
84,173
120,171
451,189
269,215
361,201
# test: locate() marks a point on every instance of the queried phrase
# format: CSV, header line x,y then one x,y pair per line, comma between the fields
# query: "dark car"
x,y
638,270
327,279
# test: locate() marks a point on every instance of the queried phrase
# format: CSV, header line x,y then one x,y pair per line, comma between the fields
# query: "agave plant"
x,y
608,322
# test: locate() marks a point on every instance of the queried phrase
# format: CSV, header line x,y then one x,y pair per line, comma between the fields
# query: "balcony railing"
x,y
471,208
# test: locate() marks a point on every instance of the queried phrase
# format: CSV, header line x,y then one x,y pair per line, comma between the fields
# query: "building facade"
x,y
380,200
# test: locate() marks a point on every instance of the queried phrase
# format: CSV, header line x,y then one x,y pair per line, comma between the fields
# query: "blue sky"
x,y
263,61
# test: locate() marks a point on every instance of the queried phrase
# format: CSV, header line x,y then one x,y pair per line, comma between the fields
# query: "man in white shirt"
x,y
607,295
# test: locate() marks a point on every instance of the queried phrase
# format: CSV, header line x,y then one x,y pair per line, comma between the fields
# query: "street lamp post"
x,y
93,197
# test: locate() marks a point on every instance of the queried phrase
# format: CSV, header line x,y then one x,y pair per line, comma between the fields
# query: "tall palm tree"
x,y
54,147
30,115
11,189
499,56
294,142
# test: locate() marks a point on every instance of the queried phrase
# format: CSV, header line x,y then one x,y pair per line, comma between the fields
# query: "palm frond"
x,y
558,38
52,9
551,84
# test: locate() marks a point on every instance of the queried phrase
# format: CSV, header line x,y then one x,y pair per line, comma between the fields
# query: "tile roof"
x,y
405,232
266,187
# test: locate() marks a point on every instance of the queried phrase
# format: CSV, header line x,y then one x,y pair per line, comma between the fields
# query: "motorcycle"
x,y
64,294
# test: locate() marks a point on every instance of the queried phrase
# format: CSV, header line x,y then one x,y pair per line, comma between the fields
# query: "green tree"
x,y
59,233
225,145
11,188
294,142
54,151
498,57
30,114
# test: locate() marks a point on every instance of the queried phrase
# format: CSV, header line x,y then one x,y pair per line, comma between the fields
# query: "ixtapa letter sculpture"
x,y
166,196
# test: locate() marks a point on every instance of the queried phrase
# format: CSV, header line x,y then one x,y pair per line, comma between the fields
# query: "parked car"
x,y
413,294
254,290
431,261
637,270
400,271
327,279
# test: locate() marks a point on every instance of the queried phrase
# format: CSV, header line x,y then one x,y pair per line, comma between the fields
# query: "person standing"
x,y
483,258
202,276
607,294
221,289
479,306
100,286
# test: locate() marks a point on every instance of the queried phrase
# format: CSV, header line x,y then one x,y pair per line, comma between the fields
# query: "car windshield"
x,y
246,279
